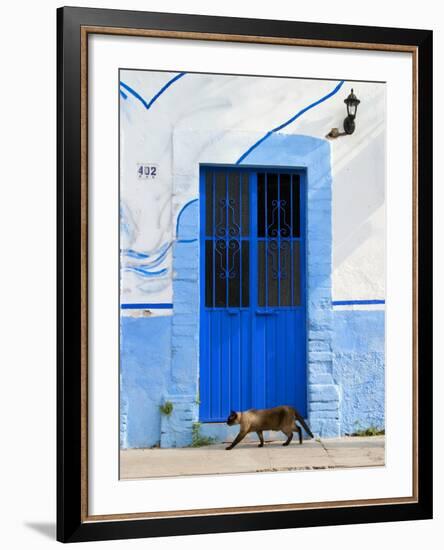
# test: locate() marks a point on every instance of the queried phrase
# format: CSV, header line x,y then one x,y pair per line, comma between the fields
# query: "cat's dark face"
x,y
232,419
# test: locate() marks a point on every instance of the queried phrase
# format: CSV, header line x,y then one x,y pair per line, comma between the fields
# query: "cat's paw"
x,y
260,445
228,448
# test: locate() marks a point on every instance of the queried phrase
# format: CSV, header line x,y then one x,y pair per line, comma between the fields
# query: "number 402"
x,y
147,171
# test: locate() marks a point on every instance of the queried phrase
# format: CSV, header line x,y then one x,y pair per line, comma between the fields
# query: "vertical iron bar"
x,y
230,361
220,314
291,238
279,238
226,241
214,240
240,238
253,373
266,238
253,270
208,359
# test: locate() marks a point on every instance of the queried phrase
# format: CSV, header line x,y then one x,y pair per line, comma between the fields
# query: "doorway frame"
x,y
253,170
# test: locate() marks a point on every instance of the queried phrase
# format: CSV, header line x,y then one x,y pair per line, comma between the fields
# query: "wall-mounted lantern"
x,y
352,103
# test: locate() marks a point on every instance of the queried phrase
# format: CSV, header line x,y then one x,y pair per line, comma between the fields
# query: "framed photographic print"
x,y
245,268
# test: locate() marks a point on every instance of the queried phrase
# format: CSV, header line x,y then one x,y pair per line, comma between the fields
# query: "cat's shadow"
x,y
45,528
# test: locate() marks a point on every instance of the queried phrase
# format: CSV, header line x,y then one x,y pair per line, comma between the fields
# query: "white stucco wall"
x,y
217,118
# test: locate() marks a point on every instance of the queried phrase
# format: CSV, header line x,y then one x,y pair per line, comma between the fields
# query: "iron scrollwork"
x,y
279,226
227,258
277,252
227,225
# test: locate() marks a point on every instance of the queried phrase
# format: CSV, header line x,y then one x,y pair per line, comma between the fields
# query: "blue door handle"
x,y
266,312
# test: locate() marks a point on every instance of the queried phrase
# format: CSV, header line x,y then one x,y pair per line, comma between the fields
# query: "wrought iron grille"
x,y
227,229
252,221
278,231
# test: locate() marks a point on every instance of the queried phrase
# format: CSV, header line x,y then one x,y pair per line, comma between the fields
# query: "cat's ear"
x,y
234,413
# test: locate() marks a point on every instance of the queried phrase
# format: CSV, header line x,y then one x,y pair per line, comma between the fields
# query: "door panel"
x,y
253,326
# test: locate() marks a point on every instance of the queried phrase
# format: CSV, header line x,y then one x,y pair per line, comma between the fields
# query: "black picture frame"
x,y
72,523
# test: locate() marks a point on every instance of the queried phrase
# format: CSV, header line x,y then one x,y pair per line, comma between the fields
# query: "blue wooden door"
x,y
252,280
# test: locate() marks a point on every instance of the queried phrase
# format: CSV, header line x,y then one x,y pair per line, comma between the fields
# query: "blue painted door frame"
x,y
252,289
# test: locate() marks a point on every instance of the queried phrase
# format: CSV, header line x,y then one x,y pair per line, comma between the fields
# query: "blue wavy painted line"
x,y
160,258
155,262
144,273
148,104
290,120
123,94
144,255
144,269
134,254
186,241
135,94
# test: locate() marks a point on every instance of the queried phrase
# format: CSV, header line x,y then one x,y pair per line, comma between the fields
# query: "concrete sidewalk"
x,y
344,452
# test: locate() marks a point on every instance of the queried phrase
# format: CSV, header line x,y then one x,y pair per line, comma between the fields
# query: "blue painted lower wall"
x,y
145,366
148,380
359,368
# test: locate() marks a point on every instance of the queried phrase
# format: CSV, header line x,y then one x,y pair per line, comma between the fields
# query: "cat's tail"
x,y
299,418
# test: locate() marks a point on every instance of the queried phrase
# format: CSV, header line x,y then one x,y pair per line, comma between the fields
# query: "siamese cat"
x,y
277,419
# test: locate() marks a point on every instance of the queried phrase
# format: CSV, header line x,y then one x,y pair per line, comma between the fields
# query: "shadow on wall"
x,y
362,192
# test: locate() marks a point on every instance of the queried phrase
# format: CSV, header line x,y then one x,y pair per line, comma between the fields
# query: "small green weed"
x,y
368,432
199,440
166,408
